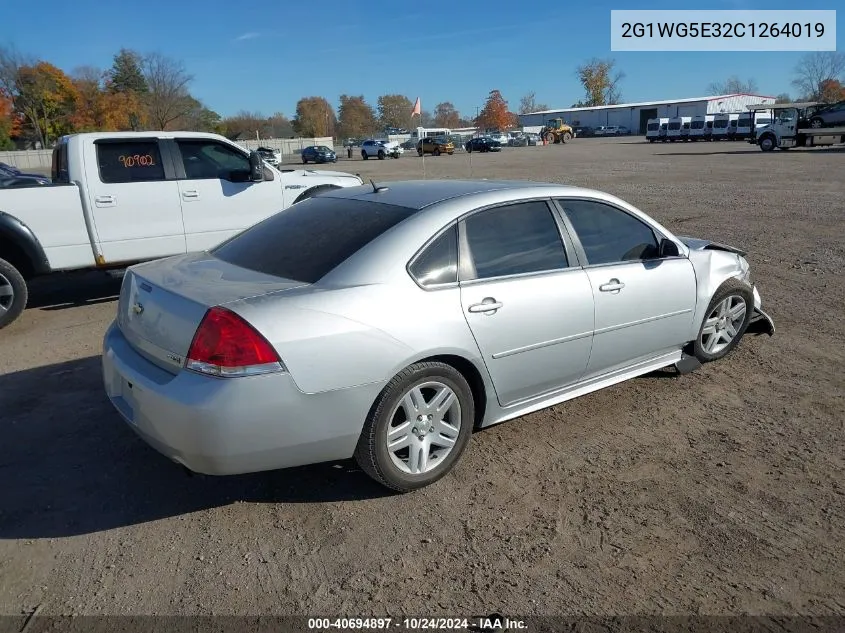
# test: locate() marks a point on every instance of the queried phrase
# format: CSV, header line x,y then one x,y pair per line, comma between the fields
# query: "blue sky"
x,y
263,56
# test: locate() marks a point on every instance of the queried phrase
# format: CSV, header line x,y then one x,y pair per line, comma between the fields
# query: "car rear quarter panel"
x,y
337,339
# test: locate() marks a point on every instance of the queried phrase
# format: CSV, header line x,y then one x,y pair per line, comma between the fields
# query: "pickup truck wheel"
x,y
13,293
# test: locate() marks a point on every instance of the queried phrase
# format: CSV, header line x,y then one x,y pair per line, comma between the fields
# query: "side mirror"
x,y
668,248
256,167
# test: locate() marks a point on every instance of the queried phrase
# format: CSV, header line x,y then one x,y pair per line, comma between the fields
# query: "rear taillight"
x,y
226,345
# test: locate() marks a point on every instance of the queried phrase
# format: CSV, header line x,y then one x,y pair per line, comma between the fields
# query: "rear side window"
x,y
438,262
59,172
310,238
130,161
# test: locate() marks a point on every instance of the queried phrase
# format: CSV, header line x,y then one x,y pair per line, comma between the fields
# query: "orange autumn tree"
x,y
495,115
102,109
47,99
10,123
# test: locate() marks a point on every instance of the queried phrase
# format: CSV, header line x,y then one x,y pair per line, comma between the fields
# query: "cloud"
x,y
246,36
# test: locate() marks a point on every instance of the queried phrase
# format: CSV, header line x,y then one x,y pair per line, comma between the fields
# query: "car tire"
x,y
372,452
436,152
381,155
364,155
419,152
304,161
11,305
816,123
722,327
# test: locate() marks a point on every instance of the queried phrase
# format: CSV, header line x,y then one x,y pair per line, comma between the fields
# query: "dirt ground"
x,y
719,492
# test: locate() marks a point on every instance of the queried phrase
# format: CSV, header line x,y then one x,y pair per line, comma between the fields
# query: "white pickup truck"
x,y
126,197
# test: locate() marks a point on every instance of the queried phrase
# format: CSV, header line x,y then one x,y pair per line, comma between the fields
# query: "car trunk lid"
x,y
163,302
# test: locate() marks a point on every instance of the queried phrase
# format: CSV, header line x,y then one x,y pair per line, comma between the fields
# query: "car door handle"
x,y
614,285
104,201
488,304
191,193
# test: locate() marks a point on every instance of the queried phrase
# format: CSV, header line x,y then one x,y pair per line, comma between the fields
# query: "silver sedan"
x,y
386,323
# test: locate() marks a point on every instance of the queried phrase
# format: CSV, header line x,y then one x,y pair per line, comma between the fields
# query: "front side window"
x,y
210,159
513,239
130,161
608,234
438,262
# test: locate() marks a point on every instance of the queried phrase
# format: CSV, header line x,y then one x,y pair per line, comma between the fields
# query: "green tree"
x,y
601,82
394,110
356,117
126,74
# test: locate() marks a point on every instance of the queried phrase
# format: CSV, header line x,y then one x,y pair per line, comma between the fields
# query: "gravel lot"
x,y
713,493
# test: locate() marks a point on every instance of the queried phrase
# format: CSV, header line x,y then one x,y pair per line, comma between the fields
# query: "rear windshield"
x,y
309,239
697,125
720,124
675,125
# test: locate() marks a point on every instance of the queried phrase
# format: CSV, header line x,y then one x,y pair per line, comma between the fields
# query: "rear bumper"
x,y
230,426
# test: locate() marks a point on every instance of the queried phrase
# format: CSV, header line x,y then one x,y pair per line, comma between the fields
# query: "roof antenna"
x,y
376,188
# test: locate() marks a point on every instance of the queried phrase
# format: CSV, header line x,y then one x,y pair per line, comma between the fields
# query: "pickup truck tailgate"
x,y
163,302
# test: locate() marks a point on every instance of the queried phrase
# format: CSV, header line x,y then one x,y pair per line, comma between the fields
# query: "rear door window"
x,y
311,238
511,240
438,262
129,161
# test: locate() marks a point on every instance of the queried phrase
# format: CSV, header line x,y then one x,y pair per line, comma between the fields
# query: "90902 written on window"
x,y
133,161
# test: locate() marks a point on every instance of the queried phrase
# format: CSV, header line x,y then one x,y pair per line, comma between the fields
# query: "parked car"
x,y
409,144
11,171
829,116
271,156
319,154
532,138
584,131
435,146
293,342
483,144
380,149
501,137
621,130
123,197
8,182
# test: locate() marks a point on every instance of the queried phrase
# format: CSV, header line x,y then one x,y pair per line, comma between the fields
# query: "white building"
x,y
634,116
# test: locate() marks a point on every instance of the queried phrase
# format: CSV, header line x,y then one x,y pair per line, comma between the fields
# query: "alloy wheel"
x,y
723,324
423,427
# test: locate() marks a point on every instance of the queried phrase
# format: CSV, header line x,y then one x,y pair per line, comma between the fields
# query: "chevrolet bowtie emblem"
x,y
137,308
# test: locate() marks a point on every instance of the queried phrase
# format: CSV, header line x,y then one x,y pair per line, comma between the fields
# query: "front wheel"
x,y
567,137
381,155
417,428
13,293
767,143
816,123
304,160
436,152
725,321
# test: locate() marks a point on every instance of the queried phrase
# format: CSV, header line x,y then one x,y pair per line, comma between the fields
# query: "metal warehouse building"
x,y
635,115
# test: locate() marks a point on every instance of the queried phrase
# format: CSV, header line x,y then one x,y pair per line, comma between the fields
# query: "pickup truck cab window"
x,y
204,159
130,161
